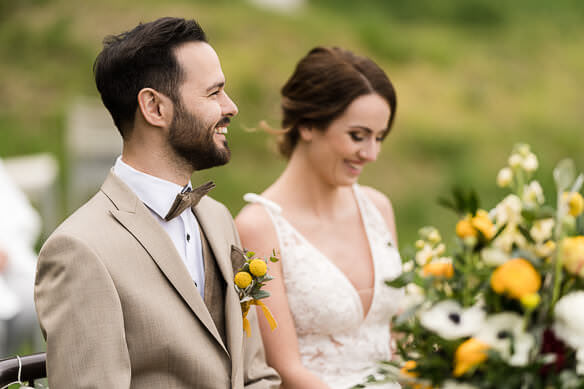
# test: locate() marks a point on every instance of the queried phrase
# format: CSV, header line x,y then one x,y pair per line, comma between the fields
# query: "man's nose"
x,y
229,107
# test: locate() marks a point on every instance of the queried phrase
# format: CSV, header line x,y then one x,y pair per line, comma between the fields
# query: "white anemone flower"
x,y
569,319
451,321
500,330
451,384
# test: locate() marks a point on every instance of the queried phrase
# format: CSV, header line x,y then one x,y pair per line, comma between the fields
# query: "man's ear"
x,y
156,108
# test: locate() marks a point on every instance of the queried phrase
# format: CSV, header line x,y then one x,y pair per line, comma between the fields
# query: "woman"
x,y
337,239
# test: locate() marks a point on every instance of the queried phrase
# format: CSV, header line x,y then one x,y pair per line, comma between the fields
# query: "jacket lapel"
x,y
139,222
216,234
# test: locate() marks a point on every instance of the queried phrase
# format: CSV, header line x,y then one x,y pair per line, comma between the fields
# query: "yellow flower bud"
x,y
438,269
530,301
407,368
469,354
482,223
572,255
420,244
242,279
465,229
258,268
516,278
574,201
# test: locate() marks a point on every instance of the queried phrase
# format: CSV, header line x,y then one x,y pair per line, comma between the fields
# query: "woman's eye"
x,y
356,137
215,93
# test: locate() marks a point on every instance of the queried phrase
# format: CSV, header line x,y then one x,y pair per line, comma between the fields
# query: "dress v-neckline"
x,y
360,206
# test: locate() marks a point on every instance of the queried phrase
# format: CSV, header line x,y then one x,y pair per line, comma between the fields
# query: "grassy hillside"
x,y
472,77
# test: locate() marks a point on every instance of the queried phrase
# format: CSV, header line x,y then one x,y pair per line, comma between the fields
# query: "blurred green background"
x,y
473,78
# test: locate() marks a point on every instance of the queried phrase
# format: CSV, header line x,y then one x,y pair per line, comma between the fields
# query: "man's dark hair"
x,y
142,58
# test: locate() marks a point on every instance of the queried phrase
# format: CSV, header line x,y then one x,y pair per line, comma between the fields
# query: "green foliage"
x,y
472,78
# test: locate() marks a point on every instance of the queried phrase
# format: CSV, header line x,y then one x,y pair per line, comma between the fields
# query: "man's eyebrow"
x,y
219,85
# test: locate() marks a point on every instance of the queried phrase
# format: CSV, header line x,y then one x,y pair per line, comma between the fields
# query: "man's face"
x,y
199,127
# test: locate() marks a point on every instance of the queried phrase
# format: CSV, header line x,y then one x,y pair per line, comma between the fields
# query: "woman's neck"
x,y
300,187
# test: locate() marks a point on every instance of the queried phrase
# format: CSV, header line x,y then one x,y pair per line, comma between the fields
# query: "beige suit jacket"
x,y
119,309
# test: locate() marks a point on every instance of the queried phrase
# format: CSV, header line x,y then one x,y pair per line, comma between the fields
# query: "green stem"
x,y
558,258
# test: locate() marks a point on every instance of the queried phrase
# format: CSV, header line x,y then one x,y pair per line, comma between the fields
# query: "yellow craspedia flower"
x,y
242,279
516,278
483,224
530,301
258,268
469,354
464,229
438,269
572,255
575,202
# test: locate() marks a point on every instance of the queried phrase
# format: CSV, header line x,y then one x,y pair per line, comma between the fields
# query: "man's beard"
x,y
192,140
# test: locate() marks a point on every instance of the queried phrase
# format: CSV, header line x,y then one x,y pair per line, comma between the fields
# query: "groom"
x,y
135,289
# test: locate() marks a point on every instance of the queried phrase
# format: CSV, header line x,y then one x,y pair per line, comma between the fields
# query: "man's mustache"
x,y
223,122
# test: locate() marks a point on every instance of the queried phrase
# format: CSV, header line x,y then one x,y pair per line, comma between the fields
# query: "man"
x,y
135,289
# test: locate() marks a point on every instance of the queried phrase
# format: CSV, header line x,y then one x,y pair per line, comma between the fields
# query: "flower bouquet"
x,y
505,307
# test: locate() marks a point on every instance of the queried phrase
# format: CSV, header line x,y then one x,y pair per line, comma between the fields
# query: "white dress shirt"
x,y
158,196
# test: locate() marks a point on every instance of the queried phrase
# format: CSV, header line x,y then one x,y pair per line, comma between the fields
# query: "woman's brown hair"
x,y
323,85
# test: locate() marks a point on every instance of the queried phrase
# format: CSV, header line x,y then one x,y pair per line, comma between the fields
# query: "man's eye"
x,y
355,136
215,93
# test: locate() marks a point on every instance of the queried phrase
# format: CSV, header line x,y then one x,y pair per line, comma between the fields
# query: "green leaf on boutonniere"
x,y
259,294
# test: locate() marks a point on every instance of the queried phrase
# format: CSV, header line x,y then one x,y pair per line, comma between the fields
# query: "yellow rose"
x,y
469,354
572,255
258,268
438,269
242,279
483,224
575,202
516,278
464,229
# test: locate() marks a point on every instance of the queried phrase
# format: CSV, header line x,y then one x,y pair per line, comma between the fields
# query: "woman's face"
x,y
351,141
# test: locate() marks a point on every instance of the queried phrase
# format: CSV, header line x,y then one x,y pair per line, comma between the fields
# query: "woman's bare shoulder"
x,y
380,200
256,230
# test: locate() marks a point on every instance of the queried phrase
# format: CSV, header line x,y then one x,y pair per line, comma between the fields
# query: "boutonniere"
x,y
249,280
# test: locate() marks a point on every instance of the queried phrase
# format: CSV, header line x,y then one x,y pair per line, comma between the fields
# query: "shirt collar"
x,y
156,193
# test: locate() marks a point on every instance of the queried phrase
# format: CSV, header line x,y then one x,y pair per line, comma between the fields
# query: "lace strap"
x,y
271,206
371,215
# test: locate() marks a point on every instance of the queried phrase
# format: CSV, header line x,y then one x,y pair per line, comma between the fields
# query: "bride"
x,y
337,239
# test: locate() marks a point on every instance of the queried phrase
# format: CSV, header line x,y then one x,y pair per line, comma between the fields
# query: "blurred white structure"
x,y
279,5
93,144
36,175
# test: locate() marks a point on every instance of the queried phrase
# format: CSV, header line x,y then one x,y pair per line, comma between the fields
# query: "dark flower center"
x,y
454,317
503,334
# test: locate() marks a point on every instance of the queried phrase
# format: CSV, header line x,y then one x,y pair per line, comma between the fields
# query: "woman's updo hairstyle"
x,y
323,85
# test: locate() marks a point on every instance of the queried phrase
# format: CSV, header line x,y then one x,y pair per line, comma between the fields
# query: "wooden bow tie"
x,y
188,198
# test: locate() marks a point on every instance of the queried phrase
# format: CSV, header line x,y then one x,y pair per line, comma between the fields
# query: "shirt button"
x,y
188,238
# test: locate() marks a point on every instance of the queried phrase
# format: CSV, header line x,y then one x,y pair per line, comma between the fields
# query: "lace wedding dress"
x,y
337,342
